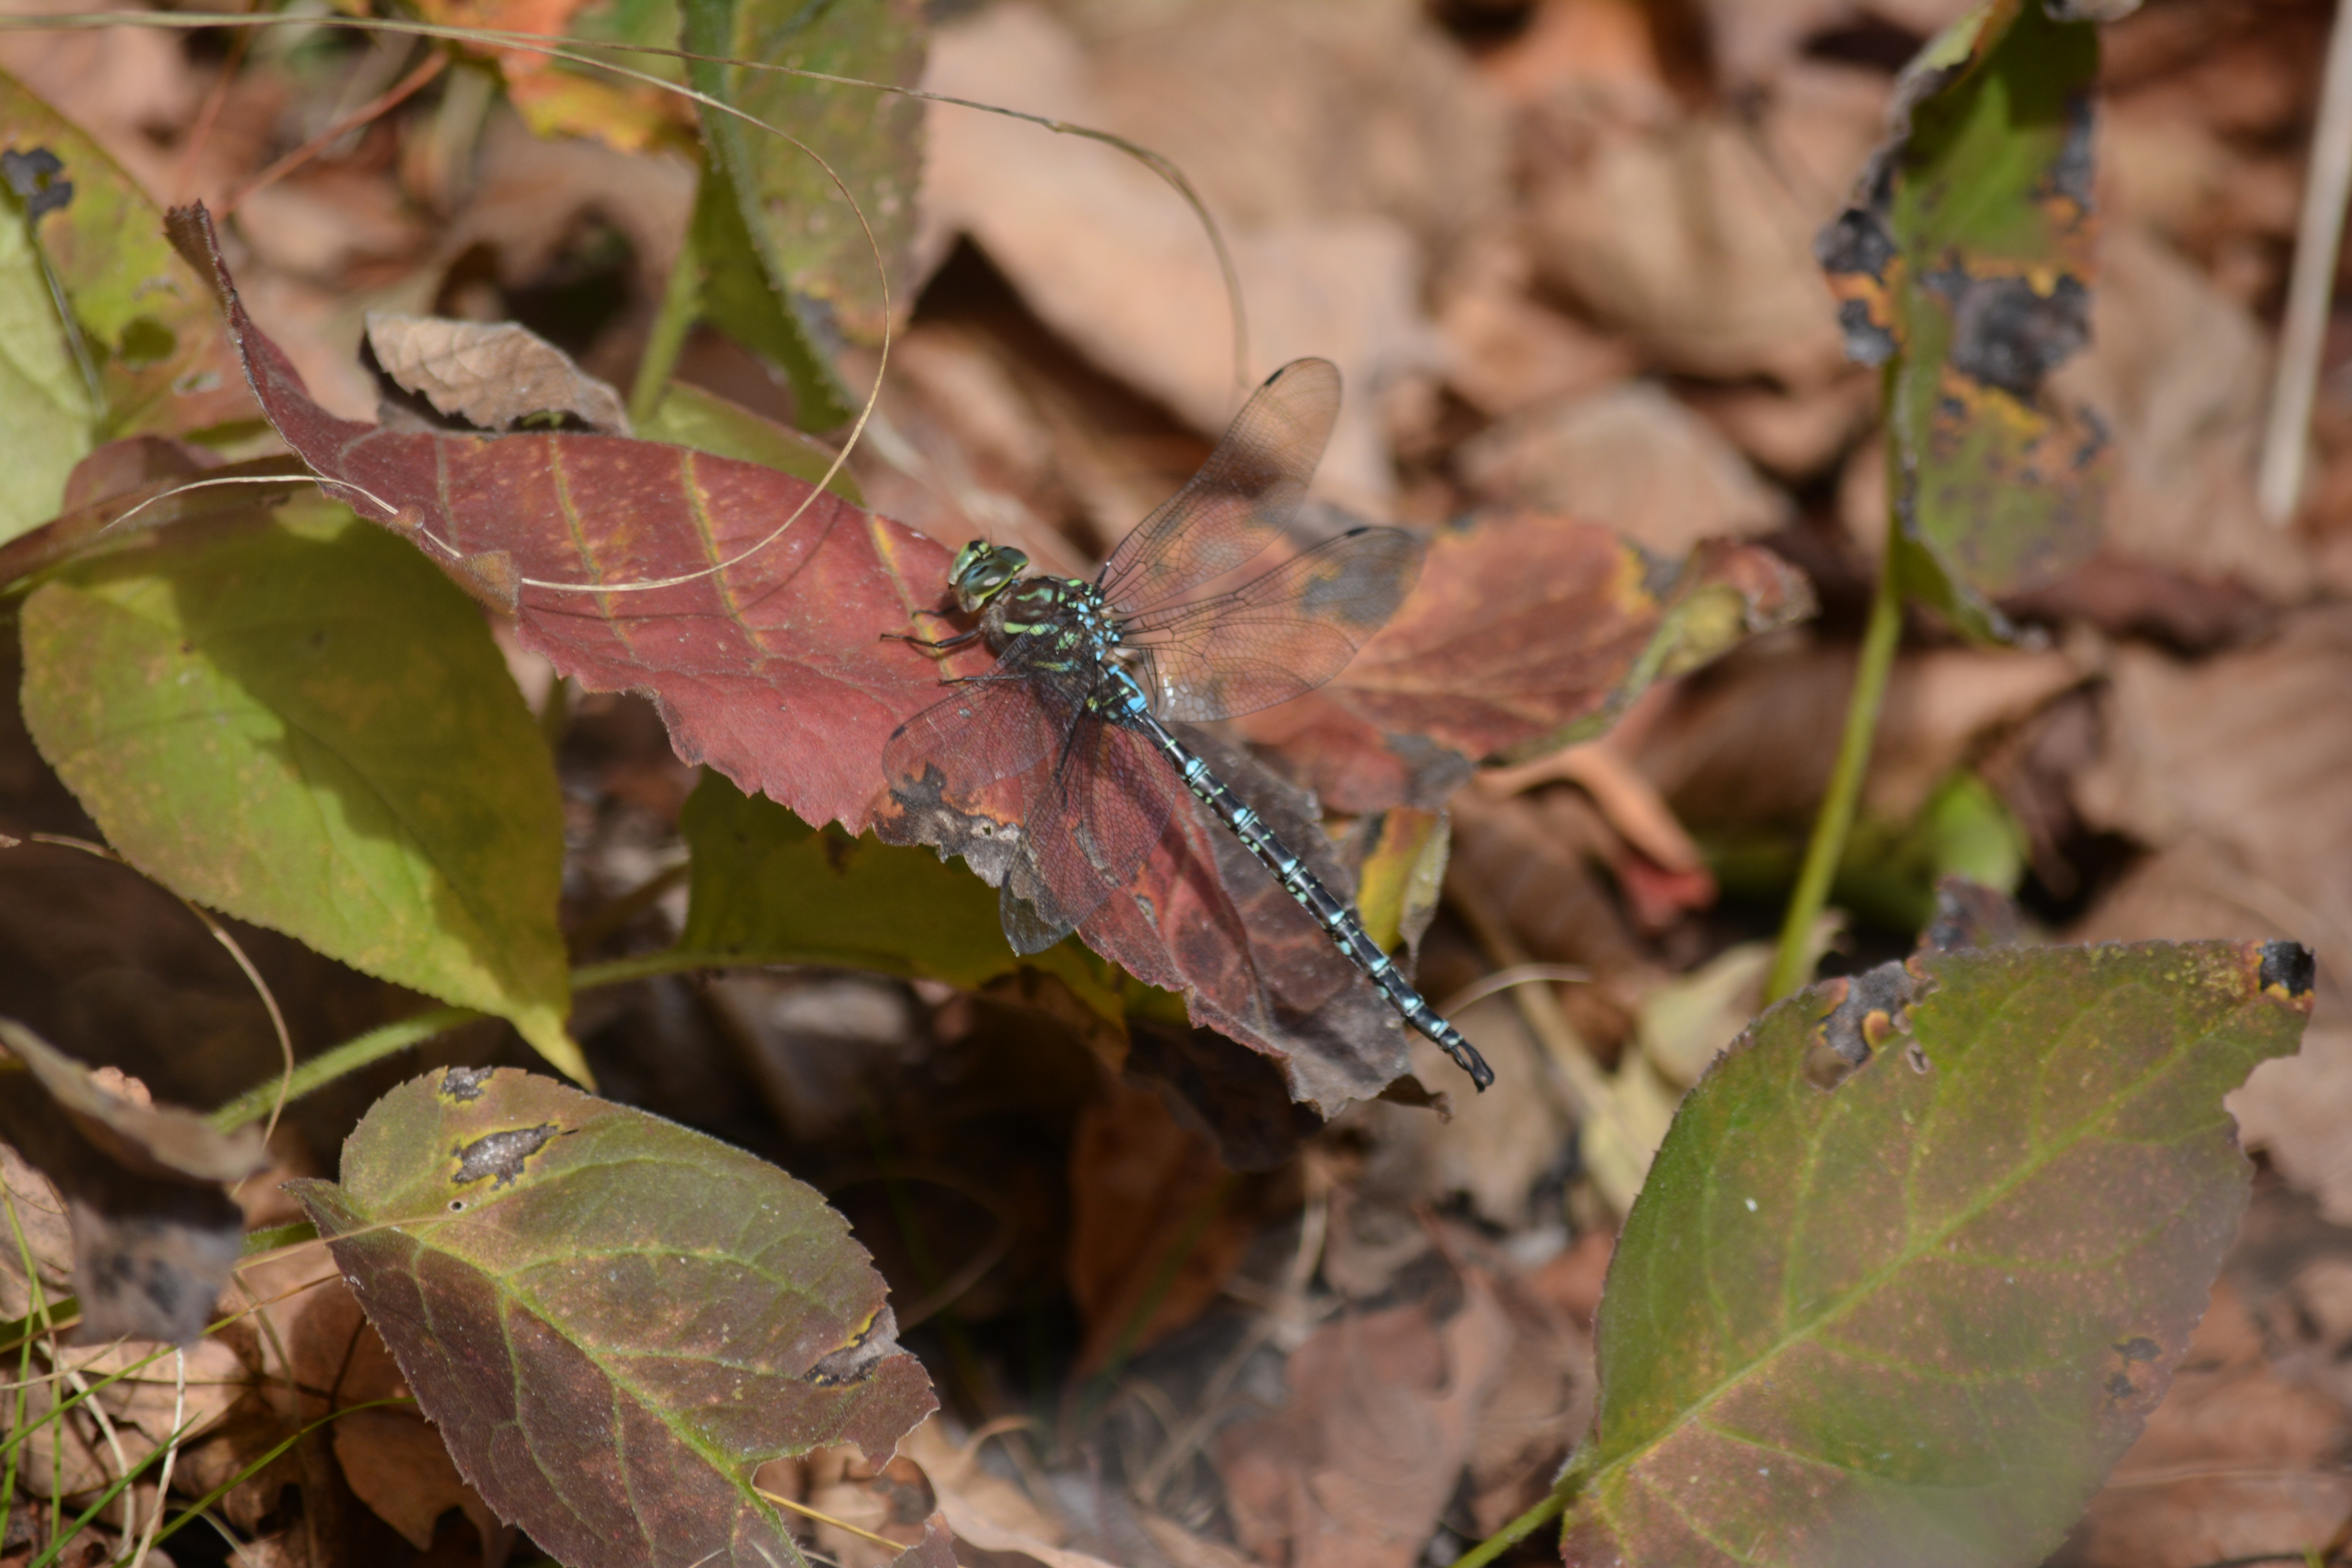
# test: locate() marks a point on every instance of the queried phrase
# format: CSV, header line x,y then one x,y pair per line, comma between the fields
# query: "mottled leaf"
x,y
163,363
306,727
1966,265
612,1321
1916,1316
154,1232
774,669
1526,632
812,245
770,889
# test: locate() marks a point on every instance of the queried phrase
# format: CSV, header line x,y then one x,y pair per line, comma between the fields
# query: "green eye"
x,y
982,570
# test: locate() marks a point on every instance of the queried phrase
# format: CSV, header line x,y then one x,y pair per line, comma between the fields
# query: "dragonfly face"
x,y
981,570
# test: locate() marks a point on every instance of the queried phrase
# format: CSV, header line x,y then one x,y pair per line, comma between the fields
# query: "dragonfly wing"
x,y
1237,504
988,728
1096,815
1281,635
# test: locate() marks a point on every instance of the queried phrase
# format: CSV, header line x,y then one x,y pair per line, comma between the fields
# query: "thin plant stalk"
x,y
681,303
1835,823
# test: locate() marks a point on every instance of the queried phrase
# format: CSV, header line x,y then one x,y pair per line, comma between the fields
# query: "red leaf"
x,y
771,669
1527,631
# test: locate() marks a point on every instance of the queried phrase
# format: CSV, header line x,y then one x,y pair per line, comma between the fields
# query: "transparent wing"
x,y
988,728
1279,636
1090,825
1237,504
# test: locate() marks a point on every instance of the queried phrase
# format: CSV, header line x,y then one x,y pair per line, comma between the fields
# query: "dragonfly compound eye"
x,y
982,570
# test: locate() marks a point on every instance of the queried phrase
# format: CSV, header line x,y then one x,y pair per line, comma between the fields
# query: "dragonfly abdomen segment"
x,y
1338,922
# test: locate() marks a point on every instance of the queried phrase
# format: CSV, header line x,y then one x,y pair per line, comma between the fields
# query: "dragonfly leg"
x,y
938,646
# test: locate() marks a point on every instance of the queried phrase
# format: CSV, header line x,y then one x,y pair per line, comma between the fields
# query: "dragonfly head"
x,y
981,570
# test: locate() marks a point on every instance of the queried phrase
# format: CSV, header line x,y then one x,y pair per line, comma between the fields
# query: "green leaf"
x,y
1917,1316
769,888
612,1319
45,402
307,727
689,416
811,247
143,316
1967,263
739,301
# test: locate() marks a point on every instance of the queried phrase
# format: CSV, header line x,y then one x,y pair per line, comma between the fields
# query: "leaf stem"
x,y
681,305
1552,1505
1879,639
378,1042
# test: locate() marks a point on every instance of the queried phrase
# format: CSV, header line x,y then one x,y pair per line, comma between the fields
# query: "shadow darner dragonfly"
x,y
1088,675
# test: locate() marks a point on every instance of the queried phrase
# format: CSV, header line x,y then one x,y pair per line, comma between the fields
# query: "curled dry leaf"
x,y
1102,251
1692,234
492,375
717,1318
155,1233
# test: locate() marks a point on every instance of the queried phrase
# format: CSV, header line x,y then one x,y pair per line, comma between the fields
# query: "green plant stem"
x,y
1554,1503
681,305
317,1072
1879,640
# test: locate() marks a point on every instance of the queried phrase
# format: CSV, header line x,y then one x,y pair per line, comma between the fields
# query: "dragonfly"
x,y
1089,675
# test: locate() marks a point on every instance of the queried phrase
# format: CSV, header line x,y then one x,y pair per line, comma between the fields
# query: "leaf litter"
x,y
2188,802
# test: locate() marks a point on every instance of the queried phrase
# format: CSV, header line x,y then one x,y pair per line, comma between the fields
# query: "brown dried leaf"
x,y
493,376
1634,459
2237,1462
2234,767
1695,236
1383,1413
1106,255
1143,1186
154,1235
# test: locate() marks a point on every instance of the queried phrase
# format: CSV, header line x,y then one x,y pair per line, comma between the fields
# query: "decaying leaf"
x,y
1966,262
612,1321
1382,1415
1934,1303
1526,632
